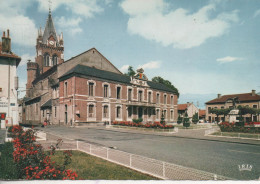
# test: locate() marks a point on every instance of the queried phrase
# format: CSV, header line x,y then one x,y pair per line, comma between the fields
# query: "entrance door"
x,y
140,112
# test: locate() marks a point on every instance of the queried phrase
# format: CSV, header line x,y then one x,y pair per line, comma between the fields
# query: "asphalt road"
x,y
221,158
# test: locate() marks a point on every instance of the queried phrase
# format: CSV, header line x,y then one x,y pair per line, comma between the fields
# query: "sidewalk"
x,y
190,134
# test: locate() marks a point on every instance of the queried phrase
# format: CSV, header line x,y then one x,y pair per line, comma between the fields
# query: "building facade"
x,y
190,108
88,88
9,82
222,102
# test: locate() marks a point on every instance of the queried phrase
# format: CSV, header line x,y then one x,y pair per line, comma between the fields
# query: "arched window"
x,y
54,60
118,112
46,59
105,111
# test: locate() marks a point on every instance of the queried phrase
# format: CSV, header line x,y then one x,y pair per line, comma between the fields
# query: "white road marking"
x,y
243,151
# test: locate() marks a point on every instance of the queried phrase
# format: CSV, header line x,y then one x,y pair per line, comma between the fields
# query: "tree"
x,y
130,71
195,118
186,122
179,121
243,110
160,80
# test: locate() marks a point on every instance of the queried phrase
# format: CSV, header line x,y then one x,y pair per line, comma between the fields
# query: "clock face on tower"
x,y
51,42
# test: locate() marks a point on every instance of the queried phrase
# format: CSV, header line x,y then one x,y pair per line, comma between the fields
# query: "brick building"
x,y
222,102
88,88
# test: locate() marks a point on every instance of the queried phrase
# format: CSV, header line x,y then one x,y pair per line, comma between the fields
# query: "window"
x,y
118,91
172,100
91,89
65,88
140,95
105,111
36,109
149,112
55,112
118,112
157,113
42,113
164,99
46,59
54,60
222,107
171,114
129,112
157,98
91,111
105,91
209,109
149,97
255,106
165,113
129,94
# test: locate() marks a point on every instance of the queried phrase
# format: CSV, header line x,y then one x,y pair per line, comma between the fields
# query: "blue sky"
x,y
202,47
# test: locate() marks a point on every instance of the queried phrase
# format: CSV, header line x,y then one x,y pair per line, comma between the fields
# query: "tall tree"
x,y
159,79
130,71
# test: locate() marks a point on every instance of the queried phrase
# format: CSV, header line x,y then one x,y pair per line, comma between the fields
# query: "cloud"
x,y
228,59
84,8
179,27
70,25
151,65
124,68
25,58
257,12
22,29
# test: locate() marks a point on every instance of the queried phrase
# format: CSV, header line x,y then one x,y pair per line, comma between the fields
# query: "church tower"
x,y
49,47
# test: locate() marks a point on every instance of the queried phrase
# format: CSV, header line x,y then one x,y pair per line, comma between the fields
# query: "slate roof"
x,y
244,97
82,70
45,74
47,104
49,30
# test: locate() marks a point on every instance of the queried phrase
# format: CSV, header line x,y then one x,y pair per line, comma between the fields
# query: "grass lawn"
x,y
236,134
92,168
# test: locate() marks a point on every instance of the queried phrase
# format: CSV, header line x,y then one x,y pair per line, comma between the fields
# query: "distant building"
x,y
222,102
202,114
190,108
9,82
88,88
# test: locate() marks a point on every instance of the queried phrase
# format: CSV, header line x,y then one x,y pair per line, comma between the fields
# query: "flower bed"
x,y
31,161
156,124
233,127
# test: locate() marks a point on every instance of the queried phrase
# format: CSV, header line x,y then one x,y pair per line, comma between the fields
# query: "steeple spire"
x,y
49,6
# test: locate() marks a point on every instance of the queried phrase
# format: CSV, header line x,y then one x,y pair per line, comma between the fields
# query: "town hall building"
x,y
88,88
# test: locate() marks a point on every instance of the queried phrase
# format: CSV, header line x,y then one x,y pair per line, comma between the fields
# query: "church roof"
x,y
49,30
82,70
47,104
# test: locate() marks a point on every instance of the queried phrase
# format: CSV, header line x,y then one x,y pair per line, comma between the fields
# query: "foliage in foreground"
x,y
30,160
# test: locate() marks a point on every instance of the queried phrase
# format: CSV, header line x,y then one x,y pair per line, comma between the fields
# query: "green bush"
x,y
139,120
8,169
179,121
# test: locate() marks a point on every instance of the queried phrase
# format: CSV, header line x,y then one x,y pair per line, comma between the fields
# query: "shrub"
x,y
195,118
179,121
30,160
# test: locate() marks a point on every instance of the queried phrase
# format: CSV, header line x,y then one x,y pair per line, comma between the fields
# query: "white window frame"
x,y
121,89
158,102
94,112
140,89
108,89
157,119
128,87
108,113
94,87
130,118
165,98
121,113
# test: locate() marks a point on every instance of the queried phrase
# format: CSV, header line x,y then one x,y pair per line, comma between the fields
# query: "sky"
x,y
202,47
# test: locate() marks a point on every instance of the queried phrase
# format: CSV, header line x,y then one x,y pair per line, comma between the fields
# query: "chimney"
x,y
219,95
253,92
6,42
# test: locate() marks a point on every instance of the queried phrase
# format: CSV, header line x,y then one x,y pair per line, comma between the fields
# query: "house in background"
x,y
8,83
202,115
190,108
222,102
